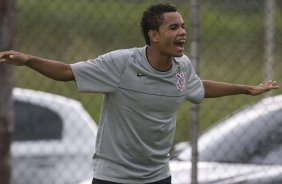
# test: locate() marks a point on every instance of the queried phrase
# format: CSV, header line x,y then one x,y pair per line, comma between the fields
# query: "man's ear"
x,y
153,35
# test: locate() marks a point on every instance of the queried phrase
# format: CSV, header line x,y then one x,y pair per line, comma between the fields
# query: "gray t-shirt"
x,y
138,116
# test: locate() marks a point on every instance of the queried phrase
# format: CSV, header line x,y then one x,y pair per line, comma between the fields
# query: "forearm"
x,y
215,89
53,69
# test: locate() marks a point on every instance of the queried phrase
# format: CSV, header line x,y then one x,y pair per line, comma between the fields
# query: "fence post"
x,y
269,40
195,39
6,83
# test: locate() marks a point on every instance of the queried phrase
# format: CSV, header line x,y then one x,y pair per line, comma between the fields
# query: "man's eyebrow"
x,y
175,24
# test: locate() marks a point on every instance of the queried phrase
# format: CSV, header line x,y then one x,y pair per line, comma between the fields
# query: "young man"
x,y
143,88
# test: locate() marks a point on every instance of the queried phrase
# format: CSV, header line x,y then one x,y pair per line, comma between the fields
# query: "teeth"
x,y
181,41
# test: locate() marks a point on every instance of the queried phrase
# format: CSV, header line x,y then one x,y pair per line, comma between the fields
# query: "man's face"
x,y
171,35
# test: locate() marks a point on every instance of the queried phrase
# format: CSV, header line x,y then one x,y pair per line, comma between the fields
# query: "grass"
x,y
231,47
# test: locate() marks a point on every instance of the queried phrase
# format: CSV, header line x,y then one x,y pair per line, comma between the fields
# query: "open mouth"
x,y
180,44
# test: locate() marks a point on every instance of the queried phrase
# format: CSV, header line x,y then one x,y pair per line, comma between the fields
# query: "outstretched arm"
x,y
215,89
52,69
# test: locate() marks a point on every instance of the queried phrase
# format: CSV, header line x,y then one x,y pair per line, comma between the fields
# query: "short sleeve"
x,y
101,74
195,89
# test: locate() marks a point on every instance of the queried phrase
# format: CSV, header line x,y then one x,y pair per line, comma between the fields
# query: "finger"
x,y
274,83
10,52
274,86
4,55
5,58
271,83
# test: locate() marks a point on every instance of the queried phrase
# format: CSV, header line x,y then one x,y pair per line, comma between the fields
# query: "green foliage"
x,y
70,31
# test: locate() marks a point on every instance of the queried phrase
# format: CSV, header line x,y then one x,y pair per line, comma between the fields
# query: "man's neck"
x,y
157,60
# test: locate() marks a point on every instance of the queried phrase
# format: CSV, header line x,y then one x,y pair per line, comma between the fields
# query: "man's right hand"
x,y
13,57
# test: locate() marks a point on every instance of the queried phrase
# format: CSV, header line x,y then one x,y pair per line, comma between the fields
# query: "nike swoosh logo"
x,y
140,75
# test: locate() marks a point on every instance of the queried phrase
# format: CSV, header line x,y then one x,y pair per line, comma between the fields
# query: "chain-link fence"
x,y
234,47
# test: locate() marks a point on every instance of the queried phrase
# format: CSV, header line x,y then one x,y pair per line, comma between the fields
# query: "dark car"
x,y
246,147
54,139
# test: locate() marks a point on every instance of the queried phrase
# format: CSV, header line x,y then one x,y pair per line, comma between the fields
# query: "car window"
x,y
35,123
269,151
253,135
259,142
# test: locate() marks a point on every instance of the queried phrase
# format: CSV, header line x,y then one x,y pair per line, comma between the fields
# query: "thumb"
x,y
13,57
16,57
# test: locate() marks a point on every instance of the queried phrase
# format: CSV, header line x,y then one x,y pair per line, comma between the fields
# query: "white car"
x,y
244,148
54,139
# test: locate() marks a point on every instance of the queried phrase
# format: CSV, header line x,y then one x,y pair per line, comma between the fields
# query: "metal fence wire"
x,y
240,42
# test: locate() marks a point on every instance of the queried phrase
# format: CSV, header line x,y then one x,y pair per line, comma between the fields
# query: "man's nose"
x,y
182,32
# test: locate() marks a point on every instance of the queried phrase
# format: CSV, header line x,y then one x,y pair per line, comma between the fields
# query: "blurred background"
x,y
240,42
232,45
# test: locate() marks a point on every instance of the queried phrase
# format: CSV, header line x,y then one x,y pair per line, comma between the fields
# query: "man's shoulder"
x,y
129,52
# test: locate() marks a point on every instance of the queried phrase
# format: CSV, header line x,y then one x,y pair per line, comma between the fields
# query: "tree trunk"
x,y
6,84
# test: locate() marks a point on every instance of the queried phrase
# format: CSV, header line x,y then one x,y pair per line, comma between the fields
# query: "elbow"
x,y
64,75
68,76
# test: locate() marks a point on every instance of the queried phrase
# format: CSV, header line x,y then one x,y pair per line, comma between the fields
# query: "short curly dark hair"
x,y
153,17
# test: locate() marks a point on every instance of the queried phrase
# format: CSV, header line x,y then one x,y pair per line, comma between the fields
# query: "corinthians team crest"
x,y
180,83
